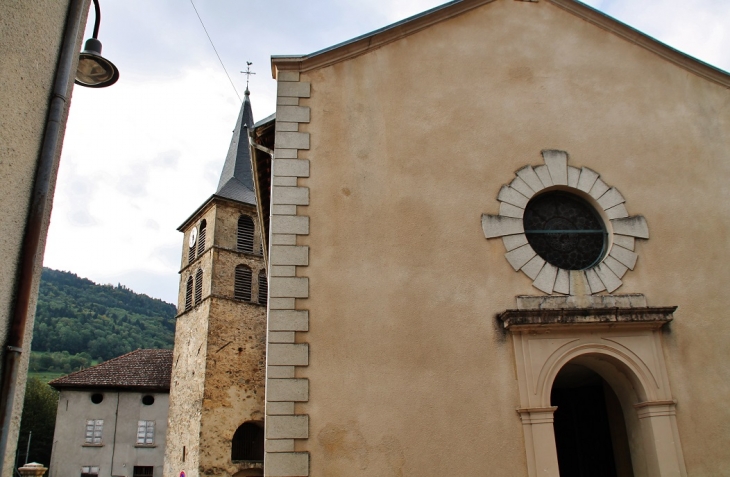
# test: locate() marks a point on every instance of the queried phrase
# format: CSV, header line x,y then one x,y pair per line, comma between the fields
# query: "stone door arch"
x,y
623,346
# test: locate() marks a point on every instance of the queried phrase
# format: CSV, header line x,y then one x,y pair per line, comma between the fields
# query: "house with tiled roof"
x,y
112,418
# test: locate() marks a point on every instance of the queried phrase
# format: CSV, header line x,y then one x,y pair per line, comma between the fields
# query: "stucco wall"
x,y
27,68
409,372
119,452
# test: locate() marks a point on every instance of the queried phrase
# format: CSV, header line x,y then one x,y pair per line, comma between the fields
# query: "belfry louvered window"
x,y
189,294
245,234
263,287
198,286
191,253
201,237
242,286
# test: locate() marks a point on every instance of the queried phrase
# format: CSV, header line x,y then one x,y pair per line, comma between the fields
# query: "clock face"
x,y
193,236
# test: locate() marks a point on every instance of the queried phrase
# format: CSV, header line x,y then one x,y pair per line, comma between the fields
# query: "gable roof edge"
x,y
395,31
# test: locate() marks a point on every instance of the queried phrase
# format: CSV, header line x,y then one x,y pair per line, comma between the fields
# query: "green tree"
x,y
39,417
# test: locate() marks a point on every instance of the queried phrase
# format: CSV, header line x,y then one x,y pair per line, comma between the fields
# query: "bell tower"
x,y
217,390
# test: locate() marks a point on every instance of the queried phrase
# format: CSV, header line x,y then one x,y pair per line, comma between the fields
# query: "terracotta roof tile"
x,y
140,369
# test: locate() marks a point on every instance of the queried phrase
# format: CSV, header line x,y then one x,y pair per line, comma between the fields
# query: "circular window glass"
x,y
565,230
97,398
148,400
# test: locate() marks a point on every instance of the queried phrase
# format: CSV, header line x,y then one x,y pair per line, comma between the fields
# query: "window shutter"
x,y
263,287
245,234
242,286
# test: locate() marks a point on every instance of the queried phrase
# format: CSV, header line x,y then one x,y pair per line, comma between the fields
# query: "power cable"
x,y
214,49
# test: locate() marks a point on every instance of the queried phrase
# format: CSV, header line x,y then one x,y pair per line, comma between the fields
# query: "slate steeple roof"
x,y
236,181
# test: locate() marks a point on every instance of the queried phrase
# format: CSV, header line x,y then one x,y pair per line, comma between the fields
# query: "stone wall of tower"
x,y
220,346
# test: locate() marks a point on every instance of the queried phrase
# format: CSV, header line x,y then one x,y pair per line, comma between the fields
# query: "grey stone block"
x,y
554,303
511,242
284,209
280,372
579,283
290,195
562,282
284,239
288,320
594,282
291,167
617,212
294,89
279,445
637,300
285,255
533,267
609,279
587,178
509,210
283,271
616,267
287,427
498,226
573,176
624,241
598,189
285,224
511,196
294,114
284,181
281,126
520,256
545,280
557,164
287,75
281,337
280,408
528,175
632,226
287,101
288,354
293,287
544,175
526,302
611,198
296,390
521,186
292,140
626,257
281,303
283,153
286,464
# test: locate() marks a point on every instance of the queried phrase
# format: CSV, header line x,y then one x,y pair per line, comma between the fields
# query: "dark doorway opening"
x,y
590,432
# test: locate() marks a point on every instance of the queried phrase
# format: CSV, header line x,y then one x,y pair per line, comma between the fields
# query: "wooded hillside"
x,y
77,316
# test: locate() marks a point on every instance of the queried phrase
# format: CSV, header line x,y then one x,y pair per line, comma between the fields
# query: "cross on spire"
x,y
248,73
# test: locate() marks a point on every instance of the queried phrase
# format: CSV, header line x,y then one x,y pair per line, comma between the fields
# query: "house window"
x,y
244,241
189,294
93,431
142,471
198,286
263,287
242,285
146,432
201,238
248,442
90,471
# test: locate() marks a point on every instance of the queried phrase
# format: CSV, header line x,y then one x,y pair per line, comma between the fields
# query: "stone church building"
x,y
495,241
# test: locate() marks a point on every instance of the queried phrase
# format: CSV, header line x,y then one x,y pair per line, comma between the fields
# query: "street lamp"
x,y
95,71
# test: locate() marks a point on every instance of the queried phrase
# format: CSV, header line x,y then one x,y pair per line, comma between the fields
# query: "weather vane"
x,y
248,73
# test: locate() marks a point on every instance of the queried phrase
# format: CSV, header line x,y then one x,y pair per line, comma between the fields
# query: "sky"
x,y
141,156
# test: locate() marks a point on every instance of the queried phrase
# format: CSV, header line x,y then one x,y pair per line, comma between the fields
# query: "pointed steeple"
x,y
236,181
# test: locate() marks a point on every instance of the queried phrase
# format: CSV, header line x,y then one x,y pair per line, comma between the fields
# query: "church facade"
x,y
495,240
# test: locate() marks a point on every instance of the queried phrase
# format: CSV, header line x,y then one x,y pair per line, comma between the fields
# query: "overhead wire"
x,y
216,51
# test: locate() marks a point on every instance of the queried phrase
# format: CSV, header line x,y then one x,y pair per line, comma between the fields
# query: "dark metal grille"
x,y
201,238
565,230
263,287
248,442
245,234
143,471
242,286
189,294
198,286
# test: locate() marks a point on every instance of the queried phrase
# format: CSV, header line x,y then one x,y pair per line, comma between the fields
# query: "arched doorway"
x,y
590,430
